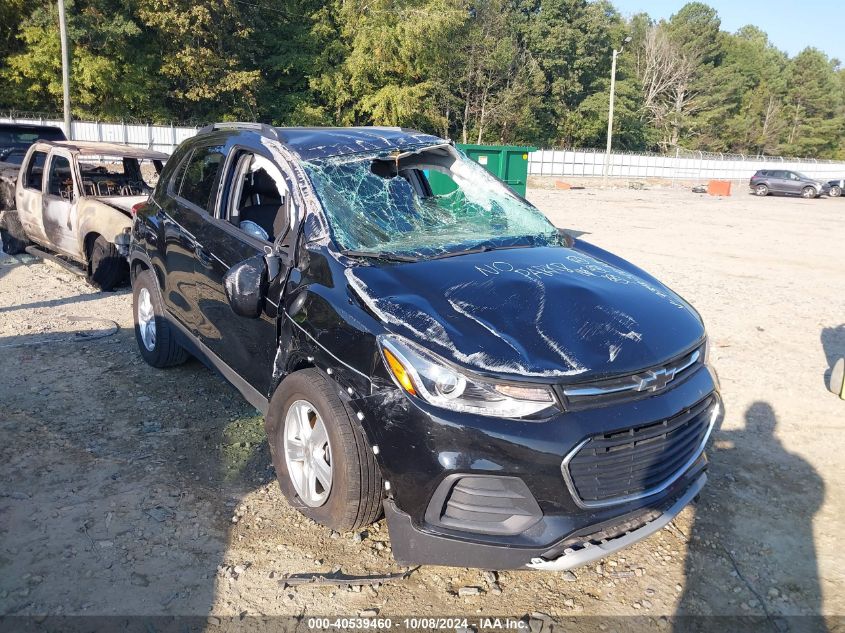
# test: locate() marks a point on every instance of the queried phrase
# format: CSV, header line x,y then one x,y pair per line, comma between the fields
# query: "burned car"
x,y
508,396
75,198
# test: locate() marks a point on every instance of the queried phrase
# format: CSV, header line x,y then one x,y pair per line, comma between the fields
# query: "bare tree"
x,y
665,73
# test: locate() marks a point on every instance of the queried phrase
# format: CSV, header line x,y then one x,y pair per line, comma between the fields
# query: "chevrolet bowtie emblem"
x,y
654,380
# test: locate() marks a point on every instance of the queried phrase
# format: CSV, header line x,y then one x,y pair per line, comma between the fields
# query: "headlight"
x,y
424,375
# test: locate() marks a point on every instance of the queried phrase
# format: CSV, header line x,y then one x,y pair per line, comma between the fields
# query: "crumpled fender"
x,y
98,217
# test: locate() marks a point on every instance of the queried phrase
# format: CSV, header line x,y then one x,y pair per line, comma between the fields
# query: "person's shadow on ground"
x,y
751,563
833,344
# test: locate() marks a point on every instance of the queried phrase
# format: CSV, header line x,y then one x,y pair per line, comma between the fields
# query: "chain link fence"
x,y
682,165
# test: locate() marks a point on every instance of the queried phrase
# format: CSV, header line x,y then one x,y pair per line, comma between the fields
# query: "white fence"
x,y
163,138
582,163
684,165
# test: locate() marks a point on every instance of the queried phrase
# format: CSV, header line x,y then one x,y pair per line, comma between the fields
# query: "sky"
x,y
791,26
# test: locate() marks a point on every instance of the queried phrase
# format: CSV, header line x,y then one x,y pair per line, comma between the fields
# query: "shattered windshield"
x,y
424,202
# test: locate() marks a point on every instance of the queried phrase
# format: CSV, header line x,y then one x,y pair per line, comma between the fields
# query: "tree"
x,y
572,41
379,68
813,101
113,67
743,112
510,71
205,51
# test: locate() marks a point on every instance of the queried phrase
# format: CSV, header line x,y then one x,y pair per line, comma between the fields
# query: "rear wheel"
x,y
323,460
808,192
155,336
835,191
761,190
106,267
12,233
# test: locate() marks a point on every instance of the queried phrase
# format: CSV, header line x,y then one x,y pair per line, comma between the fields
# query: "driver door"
x,y
253,196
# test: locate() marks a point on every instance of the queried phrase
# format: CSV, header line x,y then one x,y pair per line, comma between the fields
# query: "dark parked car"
x,y
835,187
509,396
15,139
787,182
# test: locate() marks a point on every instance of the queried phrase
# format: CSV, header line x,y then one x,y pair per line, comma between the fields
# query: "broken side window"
x,y
259,203
384,203
117,175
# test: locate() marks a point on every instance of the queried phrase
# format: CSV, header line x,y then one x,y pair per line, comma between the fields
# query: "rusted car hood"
x,y
553,312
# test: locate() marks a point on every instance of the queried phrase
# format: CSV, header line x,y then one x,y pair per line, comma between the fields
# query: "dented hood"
x,y
540,312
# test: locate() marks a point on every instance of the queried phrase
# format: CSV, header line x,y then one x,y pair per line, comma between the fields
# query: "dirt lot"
x,y
127,490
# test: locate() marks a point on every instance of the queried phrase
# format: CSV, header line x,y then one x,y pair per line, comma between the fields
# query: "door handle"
x,y
203,256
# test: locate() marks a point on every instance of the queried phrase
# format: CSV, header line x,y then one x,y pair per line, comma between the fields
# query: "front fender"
x,y
95,217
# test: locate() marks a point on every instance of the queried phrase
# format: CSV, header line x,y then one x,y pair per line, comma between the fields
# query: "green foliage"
x,y
509,71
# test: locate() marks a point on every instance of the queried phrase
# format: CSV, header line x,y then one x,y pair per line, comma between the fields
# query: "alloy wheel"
x,y
146,319
308,453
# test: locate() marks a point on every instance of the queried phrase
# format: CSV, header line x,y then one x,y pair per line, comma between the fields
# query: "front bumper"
x,y
413,546
423,452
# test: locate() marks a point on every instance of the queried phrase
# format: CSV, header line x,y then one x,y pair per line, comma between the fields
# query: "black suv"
x,y
510,397
788,182
15,139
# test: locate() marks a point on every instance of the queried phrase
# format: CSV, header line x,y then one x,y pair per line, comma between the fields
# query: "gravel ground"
x,y
131,491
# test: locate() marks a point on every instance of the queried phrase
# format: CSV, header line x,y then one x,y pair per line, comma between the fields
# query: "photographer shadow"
x,y
833,344
751,563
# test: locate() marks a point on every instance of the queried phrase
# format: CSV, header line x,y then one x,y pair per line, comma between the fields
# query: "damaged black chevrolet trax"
x,y
508,396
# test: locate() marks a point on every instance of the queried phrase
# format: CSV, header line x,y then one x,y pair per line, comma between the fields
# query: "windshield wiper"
x,y
478,249
390,257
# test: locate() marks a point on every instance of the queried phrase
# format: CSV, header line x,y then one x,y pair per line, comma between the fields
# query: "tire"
x,y
835,191
808,192
761,190
354,497
12,234
106,267
162,349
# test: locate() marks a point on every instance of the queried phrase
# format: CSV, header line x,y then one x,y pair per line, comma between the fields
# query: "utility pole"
x,y
616,54
65,69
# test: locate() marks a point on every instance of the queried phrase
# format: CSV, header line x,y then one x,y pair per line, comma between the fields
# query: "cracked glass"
x,y
379,204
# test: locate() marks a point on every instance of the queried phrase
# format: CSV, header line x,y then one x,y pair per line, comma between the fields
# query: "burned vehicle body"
x,y
76,198
526,400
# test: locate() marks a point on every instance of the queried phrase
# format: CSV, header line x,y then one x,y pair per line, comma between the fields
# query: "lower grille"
x,y
637,462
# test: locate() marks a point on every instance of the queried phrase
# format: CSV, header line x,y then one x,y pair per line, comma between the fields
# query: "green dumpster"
x,y
508,163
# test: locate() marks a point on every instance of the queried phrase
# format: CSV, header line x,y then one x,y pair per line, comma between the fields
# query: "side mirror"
x,y
245,285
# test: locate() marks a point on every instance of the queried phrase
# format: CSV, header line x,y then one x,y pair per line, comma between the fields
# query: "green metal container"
x,y
509,163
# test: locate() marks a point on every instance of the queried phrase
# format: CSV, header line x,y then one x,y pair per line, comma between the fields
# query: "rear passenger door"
x,y
252,207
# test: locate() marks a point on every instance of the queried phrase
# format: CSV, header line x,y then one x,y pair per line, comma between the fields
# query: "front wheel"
x,y
835,191
106,267
155,336
808,192
323,460
761,190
